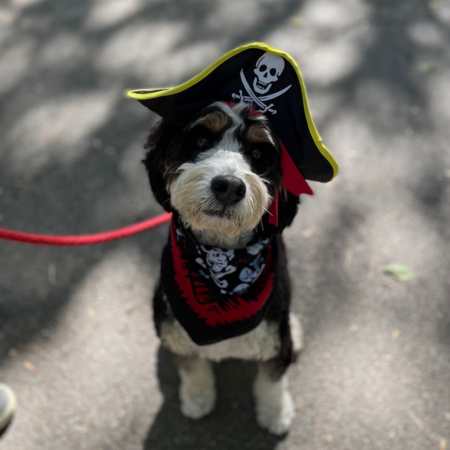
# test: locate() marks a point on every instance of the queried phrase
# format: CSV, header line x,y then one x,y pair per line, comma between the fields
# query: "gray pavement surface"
x,y
76,337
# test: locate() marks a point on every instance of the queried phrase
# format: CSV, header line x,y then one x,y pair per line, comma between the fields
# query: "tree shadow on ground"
x,y
29,305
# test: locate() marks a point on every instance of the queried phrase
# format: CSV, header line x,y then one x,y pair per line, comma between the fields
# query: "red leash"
x,y
88,239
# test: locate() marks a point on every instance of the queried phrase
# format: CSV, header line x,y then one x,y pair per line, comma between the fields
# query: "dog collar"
x,y
269,79
215,293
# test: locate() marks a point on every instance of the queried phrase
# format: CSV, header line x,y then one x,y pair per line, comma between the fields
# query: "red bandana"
x,y
217,293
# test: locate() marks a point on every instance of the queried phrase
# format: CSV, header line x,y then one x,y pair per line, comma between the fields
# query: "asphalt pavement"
x,y
76,337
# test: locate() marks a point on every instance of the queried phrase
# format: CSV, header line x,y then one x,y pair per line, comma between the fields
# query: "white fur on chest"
x,y
260,344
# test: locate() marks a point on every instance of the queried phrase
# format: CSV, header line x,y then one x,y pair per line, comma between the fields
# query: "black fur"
x,y
169,146
159,141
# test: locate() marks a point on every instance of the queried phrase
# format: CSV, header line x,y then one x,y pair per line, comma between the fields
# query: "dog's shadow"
x,y
232,424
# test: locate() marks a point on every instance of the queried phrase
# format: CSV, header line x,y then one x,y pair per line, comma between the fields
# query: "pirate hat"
x,y
271,80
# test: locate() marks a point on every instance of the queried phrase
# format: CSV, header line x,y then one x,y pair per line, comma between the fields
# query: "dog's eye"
x,y
202,142
257,153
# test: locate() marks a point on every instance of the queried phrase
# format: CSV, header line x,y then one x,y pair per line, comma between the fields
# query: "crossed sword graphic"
x,y
258,100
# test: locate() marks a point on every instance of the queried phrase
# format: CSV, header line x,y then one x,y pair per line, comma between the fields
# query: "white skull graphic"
x,y
218,259
268,68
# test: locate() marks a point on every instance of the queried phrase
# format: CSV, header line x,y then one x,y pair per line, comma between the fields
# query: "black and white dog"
x,y
218,175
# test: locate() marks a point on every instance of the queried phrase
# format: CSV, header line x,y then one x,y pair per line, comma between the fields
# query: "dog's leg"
x,y
197,388
274,405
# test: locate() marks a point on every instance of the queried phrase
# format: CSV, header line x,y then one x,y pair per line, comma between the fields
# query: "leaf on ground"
x,y
399,271
428,66
296,21
435,4
329,435
311,231
30,367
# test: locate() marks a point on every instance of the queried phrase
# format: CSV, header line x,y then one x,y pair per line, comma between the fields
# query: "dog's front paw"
x,y
276,417
197,402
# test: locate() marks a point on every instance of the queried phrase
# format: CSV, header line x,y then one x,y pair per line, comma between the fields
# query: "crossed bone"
x,y
258,100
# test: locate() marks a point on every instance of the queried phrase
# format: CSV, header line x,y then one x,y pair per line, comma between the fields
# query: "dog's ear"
x,y
158,144
287,210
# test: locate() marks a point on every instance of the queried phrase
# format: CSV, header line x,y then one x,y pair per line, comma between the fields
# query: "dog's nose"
x,y
228,189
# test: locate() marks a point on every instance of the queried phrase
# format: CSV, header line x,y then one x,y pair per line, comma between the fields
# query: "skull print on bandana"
x,y
214,293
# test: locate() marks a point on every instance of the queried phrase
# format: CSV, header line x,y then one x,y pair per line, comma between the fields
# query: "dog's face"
x,y
220,171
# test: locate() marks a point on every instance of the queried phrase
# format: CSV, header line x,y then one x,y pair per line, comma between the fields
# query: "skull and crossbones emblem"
x,y
218,262
268,69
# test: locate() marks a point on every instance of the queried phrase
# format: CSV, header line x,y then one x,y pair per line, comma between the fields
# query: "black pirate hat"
x,y
270,80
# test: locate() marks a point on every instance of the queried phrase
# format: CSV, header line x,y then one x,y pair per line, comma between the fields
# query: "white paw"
x,y
197,403
277,420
